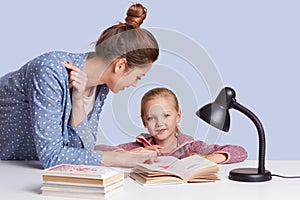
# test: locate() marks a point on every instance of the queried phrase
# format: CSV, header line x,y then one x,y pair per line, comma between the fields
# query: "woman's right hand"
x,y
128,158
77,81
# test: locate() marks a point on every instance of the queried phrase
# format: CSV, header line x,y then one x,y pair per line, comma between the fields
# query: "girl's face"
x,y
161,118
128,78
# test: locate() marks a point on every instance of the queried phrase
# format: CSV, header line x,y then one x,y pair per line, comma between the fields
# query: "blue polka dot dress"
x,y
35,108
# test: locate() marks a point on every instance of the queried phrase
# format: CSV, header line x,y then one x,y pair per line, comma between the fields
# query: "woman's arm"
x,y
50,110
128,158
80,123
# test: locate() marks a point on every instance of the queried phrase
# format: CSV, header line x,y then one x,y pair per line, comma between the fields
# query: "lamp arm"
x,y
261,134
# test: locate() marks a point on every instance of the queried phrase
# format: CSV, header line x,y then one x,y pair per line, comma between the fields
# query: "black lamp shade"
x,y
215,115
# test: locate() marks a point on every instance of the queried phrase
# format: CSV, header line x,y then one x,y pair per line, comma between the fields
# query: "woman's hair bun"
x,y
136,14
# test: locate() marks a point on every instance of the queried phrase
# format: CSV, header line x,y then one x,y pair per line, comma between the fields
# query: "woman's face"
x,y
129,78
161,118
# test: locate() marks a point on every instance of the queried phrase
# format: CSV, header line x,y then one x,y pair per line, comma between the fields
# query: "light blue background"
x,y
254,45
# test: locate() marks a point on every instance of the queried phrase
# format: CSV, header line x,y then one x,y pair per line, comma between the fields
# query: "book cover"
x,y
81,171
69,174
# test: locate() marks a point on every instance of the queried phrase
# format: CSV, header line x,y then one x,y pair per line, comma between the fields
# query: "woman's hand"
x,y
128,158
77,82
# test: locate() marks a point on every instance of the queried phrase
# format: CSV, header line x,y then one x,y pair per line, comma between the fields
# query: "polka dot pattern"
x,y
35,108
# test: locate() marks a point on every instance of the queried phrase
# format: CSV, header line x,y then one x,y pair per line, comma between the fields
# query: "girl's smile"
x,y
160,131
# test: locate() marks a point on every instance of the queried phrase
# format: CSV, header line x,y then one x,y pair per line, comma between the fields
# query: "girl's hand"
x,y
77,81
216,157
156,148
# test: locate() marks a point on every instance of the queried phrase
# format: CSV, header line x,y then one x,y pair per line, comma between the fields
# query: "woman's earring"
x,y
176,134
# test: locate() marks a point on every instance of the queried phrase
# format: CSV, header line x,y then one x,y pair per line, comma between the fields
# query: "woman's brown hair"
x,y
128,40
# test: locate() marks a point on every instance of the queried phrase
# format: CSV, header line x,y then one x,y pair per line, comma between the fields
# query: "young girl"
x,y
160,115
50,107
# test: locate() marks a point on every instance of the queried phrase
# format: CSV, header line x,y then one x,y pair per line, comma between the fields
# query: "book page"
x,y
155,179
160,166
165,161
189,166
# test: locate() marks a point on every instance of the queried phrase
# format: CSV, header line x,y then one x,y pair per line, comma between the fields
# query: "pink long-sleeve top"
x,y
187,145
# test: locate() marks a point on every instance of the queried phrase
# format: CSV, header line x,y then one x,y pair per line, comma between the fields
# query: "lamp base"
x,y
249,175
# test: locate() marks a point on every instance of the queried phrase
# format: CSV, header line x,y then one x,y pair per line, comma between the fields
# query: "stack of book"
x,y
81,181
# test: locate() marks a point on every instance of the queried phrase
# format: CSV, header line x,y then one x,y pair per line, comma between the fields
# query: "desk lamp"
x,y
217,115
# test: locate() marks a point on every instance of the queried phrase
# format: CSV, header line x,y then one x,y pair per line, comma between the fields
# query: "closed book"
x,y
82,175
81,194
82,188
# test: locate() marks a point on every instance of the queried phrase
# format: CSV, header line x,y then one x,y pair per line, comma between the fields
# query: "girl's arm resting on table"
x,y
233,153
217,157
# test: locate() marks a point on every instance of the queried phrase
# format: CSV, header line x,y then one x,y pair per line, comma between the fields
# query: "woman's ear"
x,y
120,65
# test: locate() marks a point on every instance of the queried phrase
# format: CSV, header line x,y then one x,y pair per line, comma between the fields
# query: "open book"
x,y
191,169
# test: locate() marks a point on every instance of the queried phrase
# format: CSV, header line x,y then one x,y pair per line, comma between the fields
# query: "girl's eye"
x,y
138,78
167,115
150,118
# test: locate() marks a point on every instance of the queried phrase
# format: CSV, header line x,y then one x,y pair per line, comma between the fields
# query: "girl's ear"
x,y
178,118
120,65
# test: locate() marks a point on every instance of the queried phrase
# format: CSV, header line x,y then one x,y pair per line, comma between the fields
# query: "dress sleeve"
x,y
54,144
105,147
129,145
87,133
88,128
234,153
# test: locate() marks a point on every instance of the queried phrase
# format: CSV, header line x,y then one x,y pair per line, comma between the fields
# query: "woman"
x,y
50,107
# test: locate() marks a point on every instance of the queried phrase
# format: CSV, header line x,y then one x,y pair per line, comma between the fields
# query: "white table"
x,y
22,180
